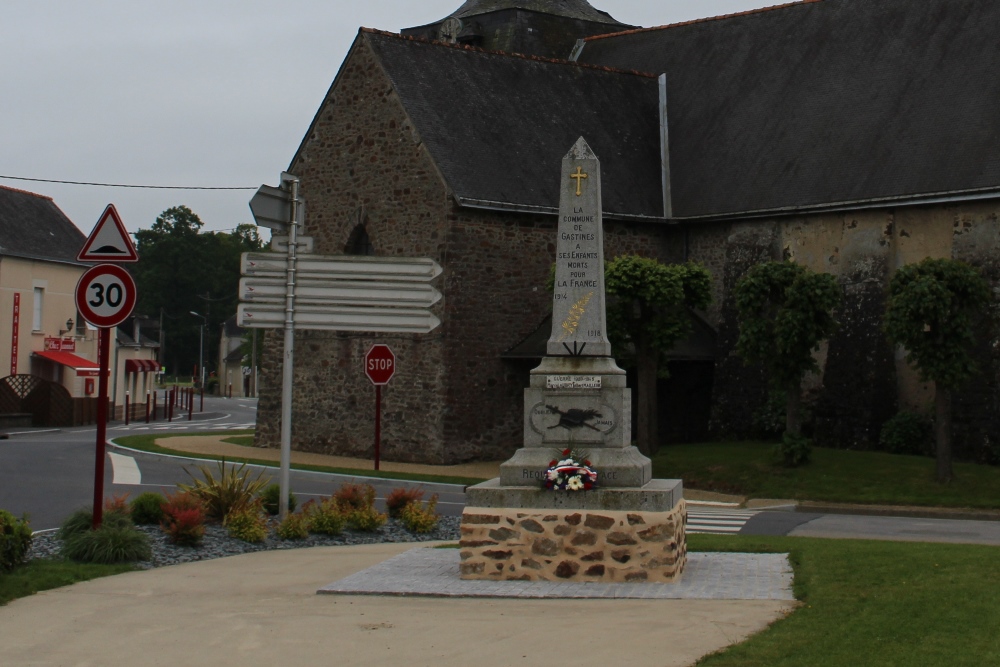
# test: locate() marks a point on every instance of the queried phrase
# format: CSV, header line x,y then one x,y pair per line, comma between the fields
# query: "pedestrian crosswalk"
x,y
716,519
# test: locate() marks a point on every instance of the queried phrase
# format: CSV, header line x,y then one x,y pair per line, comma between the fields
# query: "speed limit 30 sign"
x,y
105,295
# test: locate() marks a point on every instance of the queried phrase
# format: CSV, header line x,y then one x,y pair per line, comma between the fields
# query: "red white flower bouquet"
x,y
571,473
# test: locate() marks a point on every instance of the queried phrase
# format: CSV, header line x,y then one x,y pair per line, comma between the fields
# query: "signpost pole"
x,y
104,343
378,423
288,371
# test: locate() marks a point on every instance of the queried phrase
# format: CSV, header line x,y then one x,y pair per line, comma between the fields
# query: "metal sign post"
x,y
380,366
105,297
288,371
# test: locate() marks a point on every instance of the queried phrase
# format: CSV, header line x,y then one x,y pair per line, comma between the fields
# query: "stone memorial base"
x,y
606,535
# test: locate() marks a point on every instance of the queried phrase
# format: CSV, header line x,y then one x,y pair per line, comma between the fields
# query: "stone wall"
x,y
554,545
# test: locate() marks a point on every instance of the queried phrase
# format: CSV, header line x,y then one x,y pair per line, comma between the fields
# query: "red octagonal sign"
x,y
380,364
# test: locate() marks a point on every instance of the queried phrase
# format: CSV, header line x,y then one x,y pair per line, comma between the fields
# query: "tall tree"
x,y
181,269
785,311
649,306
932,311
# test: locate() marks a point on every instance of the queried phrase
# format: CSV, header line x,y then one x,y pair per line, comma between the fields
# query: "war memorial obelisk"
x,y
629,527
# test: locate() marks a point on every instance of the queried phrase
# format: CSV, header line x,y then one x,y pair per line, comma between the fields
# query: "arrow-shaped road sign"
x,y
396,294
272,208
341,267
338,318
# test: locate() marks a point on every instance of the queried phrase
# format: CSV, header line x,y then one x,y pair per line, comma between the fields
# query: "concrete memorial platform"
x,y
627,528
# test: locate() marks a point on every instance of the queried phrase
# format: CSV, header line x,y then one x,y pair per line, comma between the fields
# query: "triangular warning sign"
x,y
109,242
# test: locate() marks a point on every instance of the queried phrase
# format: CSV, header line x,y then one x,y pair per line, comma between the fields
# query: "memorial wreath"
x,y
571,473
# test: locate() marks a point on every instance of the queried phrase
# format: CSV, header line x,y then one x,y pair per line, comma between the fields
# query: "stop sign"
x,y
380,364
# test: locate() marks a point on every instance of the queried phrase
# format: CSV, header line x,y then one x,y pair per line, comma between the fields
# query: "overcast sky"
x,y
192,92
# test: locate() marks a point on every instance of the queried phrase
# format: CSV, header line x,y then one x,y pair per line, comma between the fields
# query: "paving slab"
x,y
262,609
708,576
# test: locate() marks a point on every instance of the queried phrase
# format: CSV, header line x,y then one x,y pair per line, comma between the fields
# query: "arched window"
x,y
359,243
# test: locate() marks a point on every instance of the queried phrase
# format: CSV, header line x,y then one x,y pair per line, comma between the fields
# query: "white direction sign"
x,y
338,318
340,267
272,208
340,292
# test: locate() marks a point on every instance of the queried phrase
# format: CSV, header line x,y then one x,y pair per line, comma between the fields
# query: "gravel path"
x,y
218,544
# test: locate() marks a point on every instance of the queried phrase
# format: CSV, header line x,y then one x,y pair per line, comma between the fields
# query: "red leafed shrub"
x,y
400,498
117,503
183,519
355,496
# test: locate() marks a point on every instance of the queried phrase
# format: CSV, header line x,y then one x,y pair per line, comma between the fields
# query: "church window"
x,y
359,243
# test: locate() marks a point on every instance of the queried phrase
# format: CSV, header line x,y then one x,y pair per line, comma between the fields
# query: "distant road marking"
x,y
126,470
717,520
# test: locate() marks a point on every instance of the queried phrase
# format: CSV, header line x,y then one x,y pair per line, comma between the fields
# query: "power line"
x,y
124,185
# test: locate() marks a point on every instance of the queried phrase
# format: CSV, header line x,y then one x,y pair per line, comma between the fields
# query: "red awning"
x,y
141,366
84,367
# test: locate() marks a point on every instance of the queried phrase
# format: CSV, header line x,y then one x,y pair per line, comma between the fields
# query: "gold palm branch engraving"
x,y
572,321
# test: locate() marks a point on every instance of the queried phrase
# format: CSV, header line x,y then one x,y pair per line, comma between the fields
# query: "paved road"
x,y
48,474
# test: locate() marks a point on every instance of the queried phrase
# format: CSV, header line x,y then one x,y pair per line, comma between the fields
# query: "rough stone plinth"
x,y
506,544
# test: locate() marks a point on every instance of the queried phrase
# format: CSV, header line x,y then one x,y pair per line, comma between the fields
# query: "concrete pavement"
x,y
262,609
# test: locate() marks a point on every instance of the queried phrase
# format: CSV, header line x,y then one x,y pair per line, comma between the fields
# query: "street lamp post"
x,y
201,348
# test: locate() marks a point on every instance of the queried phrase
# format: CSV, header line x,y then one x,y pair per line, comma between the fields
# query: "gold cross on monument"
x,y
579,176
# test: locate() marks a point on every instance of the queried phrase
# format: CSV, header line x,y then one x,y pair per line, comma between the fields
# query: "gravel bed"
x,y
218,544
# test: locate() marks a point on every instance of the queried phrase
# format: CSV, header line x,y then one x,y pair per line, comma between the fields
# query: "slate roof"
x,y
575,9
824,102
498,125
33,227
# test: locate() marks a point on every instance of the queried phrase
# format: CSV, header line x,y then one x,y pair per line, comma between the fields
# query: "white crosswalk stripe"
x,y
710,519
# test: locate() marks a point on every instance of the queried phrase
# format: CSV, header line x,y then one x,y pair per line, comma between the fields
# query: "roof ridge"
x,y
24,192
522,56
722,17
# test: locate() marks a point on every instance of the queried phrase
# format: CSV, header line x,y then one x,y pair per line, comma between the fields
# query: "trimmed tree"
x,y
648,308
932,311
785,311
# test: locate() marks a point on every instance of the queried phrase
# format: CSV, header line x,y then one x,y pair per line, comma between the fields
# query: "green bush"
x,y
82,520
15,540
367,520
419,519
294,527
232,491
325,518
147,509
247,524
907,433
793,450
113,542
270,497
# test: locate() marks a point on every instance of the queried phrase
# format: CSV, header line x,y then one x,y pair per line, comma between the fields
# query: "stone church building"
x,y
852,136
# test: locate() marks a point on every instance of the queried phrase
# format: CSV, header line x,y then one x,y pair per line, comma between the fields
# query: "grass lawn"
x,y
833,475
890,604
42,575
147,443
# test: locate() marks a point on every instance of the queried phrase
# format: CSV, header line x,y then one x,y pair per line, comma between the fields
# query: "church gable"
x,y
825,103
498,125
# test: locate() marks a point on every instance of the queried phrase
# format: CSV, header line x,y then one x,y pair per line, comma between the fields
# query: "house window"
x,y
36,319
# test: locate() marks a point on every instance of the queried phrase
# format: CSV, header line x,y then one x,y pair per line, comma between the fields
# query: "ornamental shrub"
x,y
793,450
294,527
15,540
248,524
367,520
907,433
355,496
147,509
400,498
113,542
183,519
419,519
325,517
233,490
271,496
117,503
82,521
